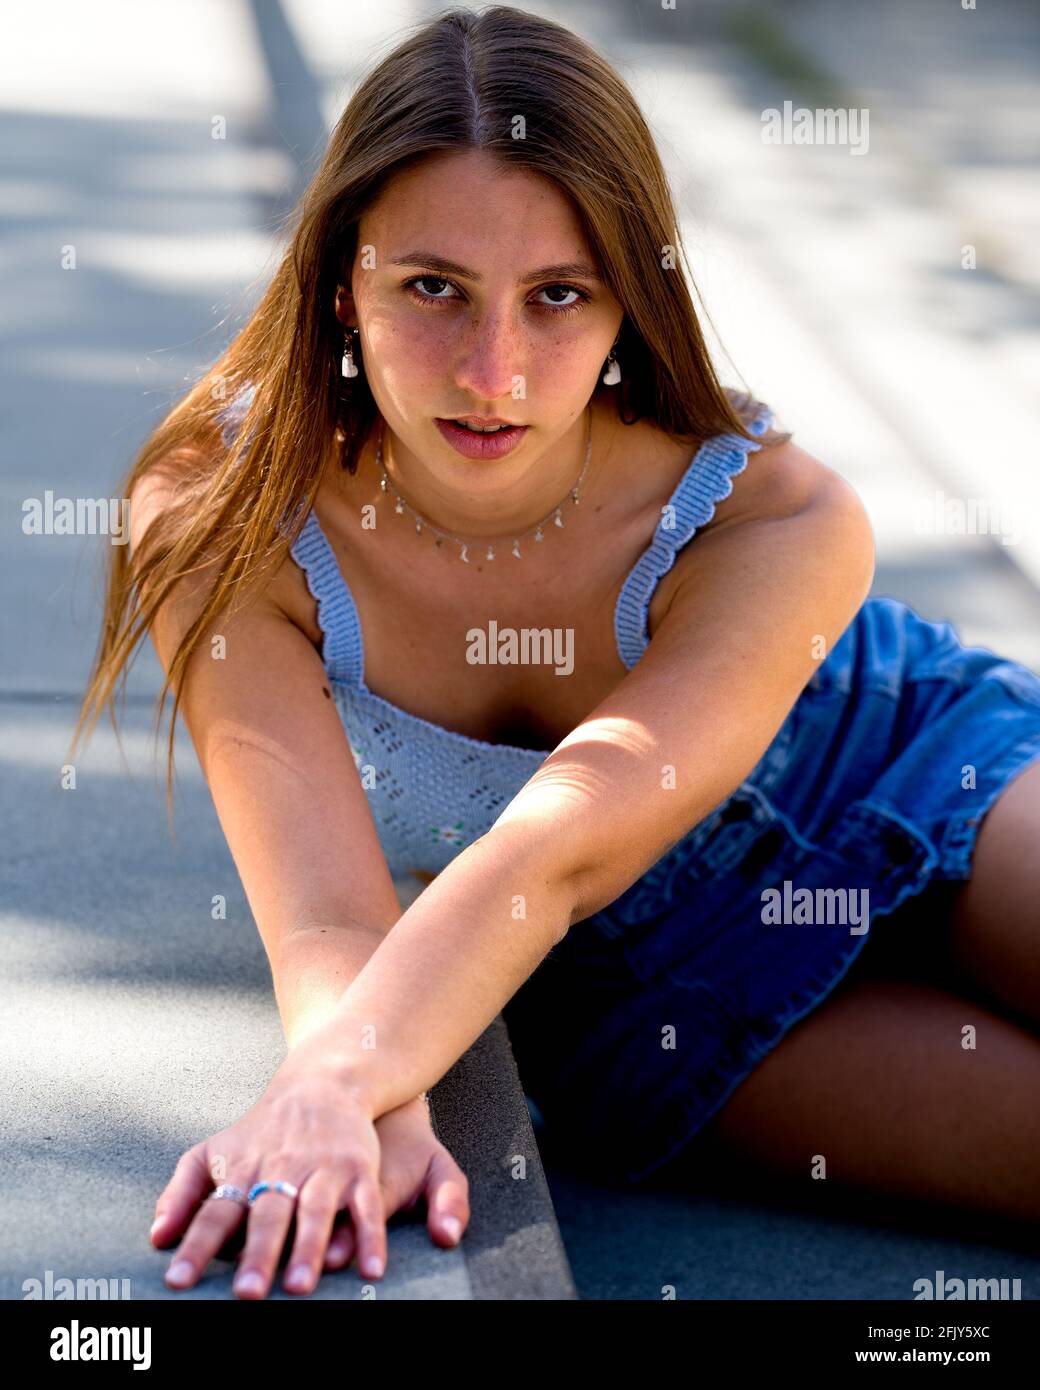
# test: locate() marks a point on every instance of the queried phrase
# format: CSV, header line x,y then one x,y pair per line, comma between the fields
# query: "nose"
x,y
491,357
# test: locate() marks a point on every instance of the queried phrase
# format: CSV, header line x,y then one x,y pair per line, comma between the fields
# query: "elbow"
x,y
542,877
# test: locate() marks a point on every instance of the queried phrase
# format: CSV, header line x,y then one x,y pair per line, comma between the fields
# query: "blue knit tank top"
x,y
432,791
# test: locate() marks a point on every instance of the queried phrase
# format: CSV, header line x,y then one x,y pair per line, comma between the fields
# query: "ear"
x,y
345,307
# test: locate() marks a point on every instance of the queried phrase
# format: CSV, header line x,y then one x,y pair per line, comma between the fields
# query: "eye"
x,y
423,297
582,298
427,299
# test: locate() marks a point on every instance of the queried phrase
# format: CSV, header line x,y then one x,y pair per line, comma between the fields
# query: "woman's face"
x,y
515,328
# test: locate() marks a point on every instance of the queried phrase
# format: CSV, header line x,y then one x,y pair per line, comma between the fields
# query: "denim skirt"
x,y
637,1027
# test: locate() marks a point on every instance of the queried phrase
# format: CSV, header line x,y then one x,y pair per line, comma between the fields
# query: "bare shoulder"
x,y
153,494
285,589
788,512
781,480
159,489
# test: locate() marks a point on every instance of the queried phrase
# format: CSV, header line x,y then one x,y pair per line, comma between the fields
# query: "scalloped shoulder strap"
x,y
342,645
706,482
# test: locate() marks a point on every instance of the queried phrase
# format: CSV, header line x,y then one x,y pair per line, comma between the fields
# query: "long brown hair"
x,y
461,81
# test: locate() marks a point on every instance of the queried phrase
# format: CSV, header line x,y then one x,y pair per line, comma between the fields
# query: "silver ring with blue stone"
x,y
287,1188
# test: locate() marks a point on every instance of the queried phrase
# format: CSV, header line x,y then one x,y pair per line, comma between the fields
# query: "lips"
x,y
477,445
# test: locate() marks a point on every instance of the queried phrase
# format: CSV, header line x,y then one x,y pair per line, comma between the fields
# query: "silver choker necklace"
x,y
420,521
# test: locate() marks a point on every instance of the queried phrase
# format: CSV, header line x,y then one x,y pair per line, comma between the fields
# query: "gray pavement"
x,y
135,1025
835,292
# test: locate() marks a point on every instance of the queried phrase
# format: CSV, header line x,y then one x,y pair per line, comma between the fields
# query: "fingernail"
x,y
452,1226
156,1224
373,1266
299,1276
179,1271
251,1282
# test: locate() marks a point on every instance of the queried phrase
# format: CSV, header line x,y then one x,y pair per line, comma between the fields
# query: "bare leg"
x,y
876,1080
995,925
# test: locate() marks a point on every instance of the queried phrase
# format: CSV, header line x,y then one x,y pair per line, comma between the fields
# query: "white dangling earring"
x,y
348,366
612,375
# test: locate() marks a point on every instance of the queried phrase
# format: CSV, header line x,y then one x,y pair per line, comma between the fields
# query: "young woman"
x,y
607,677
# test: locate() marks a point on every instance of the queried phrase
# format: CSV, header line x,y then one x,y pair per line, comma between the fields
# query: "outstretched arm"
x,y
279,768
758,601
444,971
278,764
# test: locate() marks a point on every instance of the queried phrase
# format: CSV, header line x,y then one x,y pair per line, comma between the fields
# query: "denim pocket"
x,y
884,851
785,928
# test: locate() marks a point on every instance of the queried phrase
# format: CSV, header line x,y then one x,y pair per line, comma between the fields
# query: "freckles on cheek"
x,y
423,342
408,351
561,363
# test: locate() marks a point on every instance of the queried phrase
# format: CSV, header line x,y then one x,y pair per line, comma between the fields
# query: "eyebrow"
x,y
563,270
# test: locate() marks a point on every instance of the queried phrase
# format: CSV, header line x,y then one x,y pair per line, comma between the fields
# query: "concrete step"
x,y
136,1025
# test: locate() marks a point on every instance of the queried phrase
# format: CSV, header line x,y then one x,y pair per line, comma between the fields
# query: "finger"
x,y
315,1215
270,1217
365,1200
341,1245
181,1196
214,1224
447,1199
